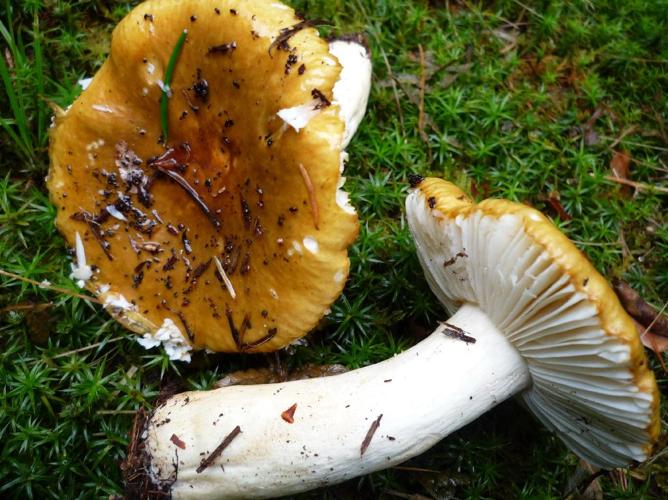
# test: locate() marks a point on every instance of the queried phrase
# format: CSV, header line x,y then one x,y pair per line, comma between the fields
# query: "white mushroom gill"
x,y
299,116
582,385
351,91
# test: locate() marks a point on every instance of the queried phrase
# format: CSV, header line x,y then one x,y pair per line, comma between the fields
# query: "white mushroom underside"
x,y
582,387
351,91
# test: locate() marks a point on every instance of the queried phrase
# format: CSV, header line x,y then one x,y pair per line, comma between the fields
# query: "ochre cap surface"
x,y
232,182
591,381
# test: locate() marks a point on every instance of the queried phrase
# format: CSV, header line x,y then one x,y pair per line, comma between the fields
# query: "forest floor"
x,y
562,105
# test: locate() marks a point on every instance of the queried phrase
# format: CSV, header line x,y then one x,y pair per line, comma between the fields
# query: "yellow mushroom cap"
x,y
590,379
233,188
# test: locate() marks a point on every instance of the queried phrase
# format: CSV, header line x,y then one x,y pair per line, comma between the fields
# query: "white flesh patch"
x,y
299,116
102,108
113,211
81,271
351,91
311,244
117,303
84,83
171,338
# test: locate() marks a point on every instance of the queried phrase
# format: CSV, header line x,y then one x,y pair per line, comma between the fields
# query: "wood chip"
x,y
226,280
315,211
219,449
289,414
177,441
369,435
649,317
457,333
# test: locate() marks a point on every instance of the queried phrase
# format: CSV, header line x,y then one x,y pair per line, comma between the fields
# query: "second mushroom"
x,y
531,317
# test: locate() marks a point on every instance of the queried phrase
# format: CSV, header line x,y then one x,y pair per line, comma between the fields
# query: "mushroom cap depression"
x,y
591,383
232,187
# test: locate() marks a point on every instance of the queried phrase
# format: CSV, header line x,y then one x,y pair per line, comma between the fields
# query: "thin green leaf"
x,y
39,73
164,100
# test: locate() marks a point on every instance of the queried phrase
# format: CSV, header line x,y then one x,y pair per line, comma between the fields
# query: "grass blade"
x,y
164,100
13,92
39,73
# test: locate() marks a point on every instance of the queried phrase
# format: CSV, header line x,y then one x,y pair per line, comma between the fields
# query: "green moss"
x,y
509,102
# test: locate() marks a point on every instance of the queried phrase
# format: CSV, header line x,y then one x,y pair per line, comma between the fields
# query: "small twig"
x,y
621,136
596,243
219,449
315,210
192,193
457,333
224,277
115,412
427,119
639,144
421,87
24,307
400,112
637,185
287,33
87,348
415,469
526,7
635,59
369,435
50,287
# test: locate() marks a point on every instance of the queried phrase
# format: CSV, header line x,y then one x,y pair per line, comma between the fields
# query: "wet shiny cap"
x,y
226,232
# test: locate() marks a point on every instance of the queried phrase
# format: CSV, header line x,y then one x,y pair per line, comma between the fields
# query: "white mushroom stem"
x,y
423,394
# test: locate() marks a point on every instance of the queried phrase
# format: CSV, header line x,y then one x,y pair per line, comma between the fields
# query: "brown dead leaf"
x,y
584,483
645,314
39,320
619,478
652,325
553,200
657,343
481,190
620,167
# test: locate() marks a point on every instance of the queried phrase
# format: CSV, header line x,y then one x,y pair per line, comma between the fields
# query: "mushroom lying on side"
x,y
531,318
201,217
